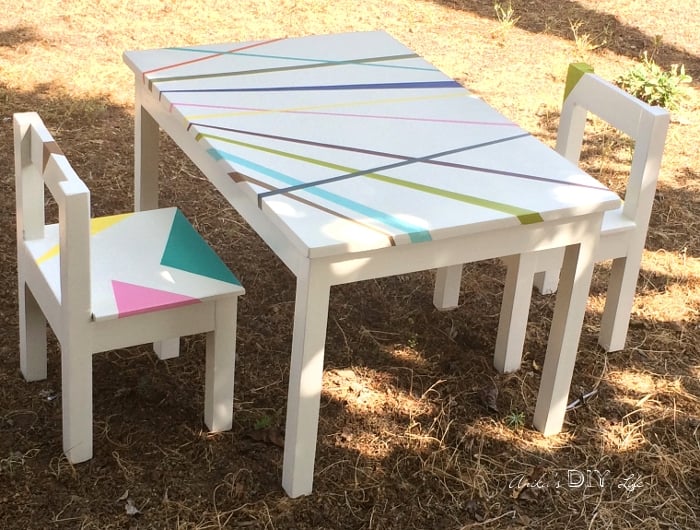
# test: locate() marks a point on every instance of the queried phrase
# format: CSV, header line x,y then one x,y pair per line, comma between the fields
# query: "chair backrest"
x,y
646,125
40,164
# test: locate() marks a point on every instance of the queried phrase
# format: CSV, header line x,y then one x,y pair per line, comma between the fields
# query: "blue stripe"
x,y
415,233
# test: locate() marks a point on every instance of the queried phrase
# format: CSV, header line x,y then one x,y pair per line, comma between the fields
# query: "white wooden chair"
x,y
111,282
623,231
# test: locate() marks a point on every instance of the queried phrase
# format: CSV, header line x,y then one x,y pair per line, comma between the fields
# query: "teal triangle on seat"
x,y
186,250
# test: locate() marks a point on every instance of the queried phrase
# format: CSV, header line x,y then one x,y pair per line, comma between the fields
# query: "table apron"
x,y
415,257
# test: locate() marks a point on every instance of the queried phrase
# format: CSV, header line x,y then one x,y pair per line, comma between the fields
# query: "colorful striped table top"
x,y
353,142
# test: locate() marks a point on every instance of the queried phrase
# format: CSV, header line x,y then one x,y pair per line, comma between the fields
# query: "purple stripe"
x,y
404,162
425,160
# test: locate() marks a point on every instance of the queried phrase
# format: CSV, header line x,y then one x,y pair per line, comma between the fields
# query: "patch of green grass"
x,y
651,83
262,423
515,420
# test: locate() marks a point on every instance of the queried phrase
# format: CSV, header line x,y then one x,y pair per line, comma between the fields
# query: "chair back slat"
x,y
646,125
29,183
41,164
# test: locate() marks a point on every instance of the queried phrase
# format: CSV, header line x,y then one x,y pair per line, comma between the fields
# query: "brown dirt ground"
x,y
404,440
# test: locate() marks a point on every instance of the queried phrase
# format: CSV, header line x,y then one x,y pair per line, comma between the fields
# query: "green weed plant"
x,y
651,83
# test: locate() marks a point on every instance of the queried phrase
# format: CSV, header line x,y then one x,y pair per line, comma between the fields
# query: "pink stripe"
x,y
135,299
206,57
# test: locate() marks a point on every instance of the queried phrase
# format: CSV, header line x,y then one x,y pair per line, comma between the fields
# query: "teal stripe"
x,y
415,233
187,251
524,215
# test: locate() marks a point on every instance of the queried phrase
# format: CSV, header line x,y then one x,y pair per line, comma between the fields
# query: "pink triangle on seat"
x,y
134,299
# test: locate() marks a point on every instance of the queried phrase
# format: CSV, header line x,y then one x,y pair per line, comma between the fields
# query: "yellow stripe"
x,y
192,117
46,256
96,225
102,223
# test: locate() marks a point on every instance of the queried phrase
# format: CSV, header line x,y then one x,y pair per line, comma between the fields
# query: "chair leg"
x,y
546,282
167,348
32,336
515,307
76,389
549,262
618,303
220,367
448,281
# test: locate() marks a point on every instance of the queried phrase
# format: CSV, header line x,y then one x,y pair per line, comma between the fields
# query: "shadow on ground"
x,y
556,18
404,436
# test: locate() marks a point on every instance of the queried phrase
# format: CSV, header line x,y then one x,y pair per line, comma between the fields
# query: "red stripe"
x,y
207,57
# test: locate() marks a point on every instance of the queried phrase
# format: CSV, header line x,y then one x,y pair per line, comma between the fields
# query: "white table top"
x,y
352,142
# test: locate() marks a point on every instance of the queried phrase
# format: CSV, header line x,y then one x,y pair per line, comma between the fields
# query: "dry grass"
x,y
404,439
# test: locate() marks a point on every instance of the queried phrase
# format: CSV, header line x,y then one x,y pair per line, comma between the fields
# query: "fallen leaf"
x,y
269,435
538,472
524,520
475,511
276,437
488,395
131,508
530,494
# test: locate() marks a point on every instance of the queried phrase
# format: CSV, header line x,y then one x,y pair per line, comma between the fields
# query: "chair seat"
x,y
142,262
615,221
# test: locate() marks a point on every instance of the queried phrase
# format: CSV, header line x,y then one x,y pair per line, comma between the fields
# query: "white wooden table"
x,y
354,158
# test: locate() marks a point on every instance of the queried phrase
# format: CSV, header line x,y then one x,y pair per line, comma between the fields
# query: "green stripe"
x,y
573,76
302,59
524,215
285,68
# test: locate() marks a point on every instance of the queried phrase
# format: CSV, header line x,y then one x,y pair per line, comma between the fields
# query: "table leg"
x,y
305,380
448,281
146,145
562,346
146,151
